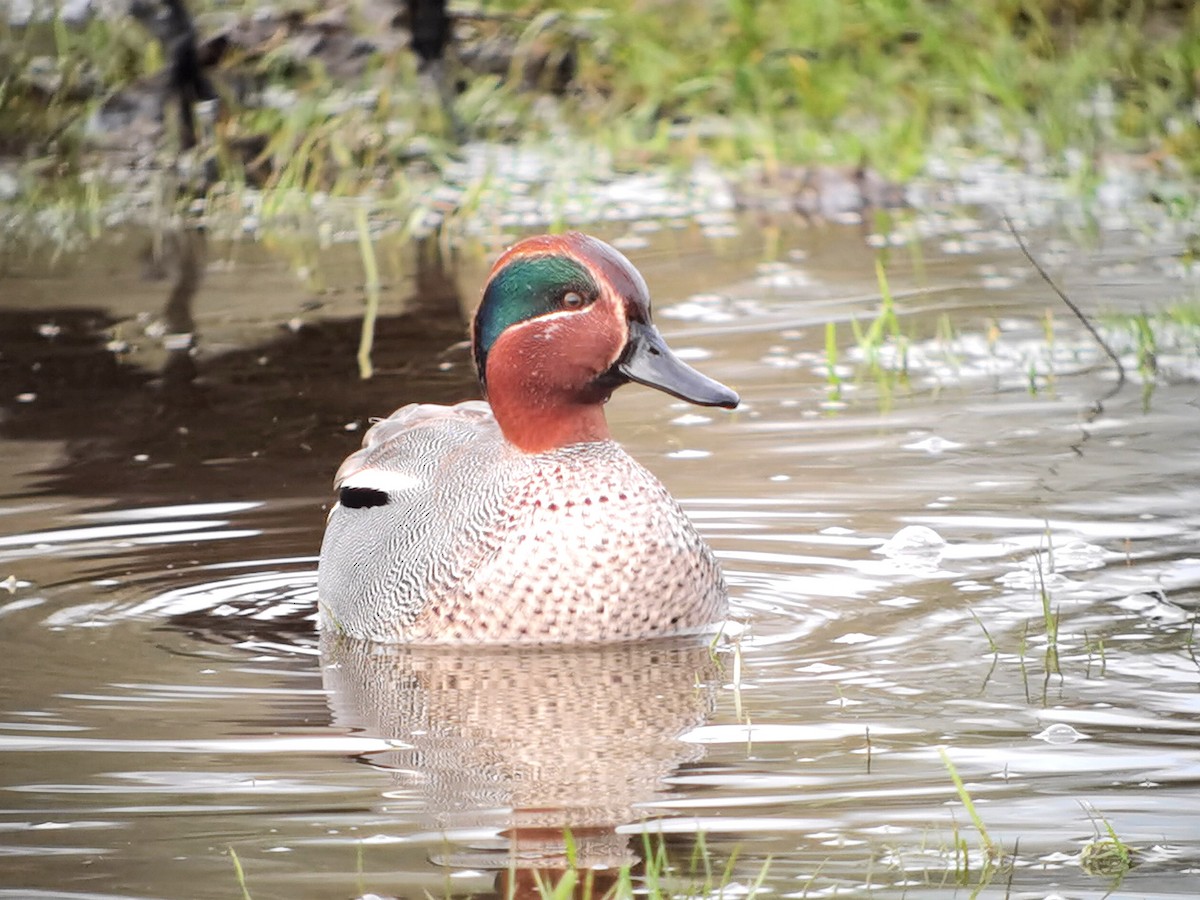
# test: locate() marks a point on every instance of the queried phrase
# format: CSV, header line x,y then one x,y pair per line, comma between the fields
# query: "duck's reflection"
x,y
530,742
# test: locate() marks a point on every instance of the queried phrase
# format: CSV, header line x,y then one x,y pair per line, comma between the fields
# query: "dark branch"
x,y
1067,300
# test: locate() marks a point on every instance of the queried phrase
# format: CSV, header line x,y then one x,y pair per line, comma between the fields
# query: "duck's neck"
x,y
540,427
546,381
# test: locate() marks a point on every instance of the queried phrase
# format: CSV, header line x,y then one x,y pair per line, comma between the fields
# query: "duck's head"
x,y
565,321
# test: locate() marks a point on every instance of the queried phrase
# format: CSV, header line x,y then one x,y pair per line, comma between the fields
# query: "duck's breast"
x,y
588,546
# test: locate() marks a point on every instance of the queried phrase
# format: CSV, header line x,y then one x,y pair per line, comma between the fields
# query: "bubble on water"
x,y
1075,556
1060,733
819,668
1154,606
1029,579
933,445
913,540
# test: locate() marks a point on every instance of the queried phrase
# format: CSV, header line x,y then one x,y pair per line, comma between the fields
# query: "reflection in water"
x,y
560,738
180,255
198,392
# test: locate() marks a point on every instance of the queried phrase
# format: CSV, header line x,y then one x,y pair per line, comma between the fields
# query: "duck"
x,y
518,519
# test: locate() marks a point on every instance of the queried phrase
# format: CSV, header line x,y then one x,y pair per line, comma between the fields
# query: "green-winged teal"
x,y
523,521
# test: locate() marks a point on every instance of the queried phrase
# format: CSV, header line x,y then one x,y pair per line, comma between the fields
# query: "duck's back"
x,y
444,532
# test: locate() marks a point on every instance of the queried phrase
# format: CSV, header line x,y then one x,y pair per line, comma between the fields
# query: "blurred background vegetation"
x,y
331,99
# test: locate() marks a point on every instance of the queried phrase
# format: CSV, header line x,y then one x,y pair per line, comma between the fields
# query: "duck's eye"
x,y
573,300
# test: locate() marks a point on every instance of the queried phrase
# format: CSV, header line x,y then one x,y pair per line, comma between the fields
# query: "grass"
x,y
239,874
958,865
772,84
884,327
833,381
366,249
52,76
882,333
1095,649
1050,615
889,348
1149,336
836,82
661,878
1051,618
990,847
1106,854
992,645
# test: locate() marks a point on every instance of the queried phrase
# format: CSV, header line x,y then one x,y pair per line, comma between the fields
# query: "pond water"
x,y
969,546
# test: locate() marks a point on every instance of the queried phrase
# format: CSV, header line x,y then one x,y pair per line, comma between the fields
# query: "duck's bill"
x,y
649,361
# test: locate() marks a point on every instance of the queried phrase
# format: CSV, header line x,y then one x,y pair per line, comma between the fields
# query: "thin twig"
x,y
1067,300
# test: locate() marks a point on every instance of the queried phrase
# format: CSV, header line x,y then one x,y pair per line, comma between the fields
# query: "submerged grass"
x,y
1106,854
661,878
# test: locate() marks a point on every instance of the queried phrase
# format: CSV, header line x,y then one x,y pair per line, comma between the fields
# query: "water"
x,y
166,449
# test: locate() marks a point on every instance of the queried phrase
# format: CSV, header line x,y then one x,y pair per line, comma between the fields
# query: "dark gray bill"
x,y
649,361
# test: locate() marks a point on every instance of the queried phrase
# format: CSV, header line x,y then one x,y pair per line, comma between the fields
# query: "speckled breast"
x,y
589,547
